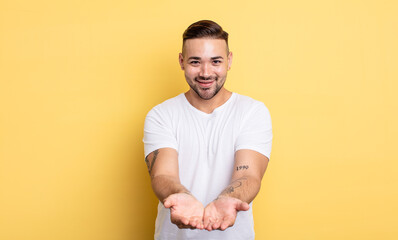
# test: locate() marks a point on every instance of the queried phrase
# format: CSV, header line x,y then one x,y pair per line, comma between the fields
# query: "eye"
x,y
216,62
194,63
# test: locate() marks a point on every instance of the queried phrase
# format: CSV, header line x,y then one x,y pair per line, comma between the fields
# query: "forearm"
x,y
244,188
164,185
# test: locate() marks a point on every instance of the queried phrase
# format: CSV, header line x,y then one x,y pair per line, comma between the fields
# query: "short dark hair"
x,y
205,29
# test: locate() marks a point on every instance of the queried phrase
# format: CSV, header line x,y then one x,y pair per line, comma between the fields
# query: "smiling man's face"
x,y
205,62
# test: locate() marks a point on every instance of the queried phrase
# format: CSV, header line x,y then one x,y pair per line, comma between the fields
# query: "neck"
x,y
208,106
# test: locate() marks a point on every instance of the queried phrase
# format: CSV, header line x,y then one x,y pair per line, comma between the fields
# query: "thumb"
x,y
168,202
242,206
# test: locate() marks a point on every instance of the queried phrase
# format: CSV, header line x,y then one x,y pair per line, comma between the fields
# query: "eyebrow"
x,y
198,58
214,58
195,58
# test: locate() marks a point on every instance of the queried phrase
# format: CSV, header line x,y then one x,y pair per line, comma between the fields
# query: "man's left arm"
x,y
246,179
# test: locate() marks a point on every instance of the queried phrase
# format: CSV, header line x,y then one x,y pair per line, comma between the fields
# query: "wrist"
x,y
223,196
182,189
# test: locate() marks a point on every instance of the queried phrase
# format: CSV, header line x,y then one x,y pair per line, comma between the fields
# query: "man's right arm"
x,y
163,169
185,210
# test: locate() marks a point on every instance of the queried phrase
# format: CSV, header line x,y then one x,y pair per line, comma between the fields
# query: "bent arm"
x,y
163,168
248,172
185,210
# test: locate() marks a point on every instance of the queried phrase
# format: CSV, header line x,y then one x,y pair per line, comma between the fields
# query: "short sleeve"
x,y
158,132
256,131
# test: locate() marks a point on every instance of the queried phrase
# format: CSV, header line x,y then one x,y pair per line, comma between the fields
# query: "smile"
x,y
205,84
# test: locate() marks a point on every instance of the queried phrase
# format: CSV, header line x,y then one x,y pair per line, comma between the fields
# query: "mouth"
x,y
205,83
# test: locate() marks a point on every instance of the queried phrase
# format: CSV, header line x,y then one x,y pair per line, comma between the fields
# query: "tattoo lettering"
x,y
150,163
243,167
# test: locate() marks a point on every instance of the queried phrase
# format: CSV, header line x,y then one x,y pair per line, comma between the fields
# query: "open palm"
x,y
185,210
221,213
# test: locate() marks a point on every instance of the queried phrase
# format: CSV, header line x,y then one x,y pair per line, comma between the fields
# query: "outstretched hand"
x,y
221,213
185,210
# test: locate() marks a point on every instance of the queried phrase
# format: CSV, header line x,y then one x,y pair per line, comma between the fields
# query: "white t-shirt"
x,y
206,145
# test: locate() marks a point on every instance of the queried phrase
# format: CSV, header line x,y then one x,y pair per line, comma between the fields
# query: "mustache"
x,y
206,78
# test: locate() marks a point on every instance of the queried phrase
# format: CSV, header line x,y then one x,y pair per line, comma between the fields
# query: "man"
x,y
206,150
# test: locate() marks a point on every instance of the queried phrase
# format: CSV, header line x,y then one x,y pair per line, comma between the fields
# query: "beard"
x,y
207,93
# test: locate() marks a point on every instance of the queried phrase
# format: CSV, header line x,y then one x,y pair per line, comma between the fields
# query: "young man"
x,y
206,150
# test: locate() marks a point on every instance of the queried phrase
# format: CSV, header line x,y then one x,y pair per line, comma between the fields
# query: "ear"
x,y
230,56
181,61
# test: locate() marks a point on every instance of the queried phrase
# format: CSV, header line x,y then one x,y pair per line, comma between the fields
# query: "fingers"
x,y
220,224
193,222
205,221
196,223
224,226
177,220
199,223
209,219
182,226
212,224
216,225
208,223
183,223
228,222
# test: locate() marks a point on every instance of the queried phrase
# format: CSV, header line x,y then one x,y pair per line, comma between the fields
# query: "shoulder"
x,y
168,107
249,105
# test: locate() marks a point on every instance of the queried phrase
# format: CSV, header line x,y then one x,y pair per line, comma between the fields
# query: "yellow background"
x,y
78,77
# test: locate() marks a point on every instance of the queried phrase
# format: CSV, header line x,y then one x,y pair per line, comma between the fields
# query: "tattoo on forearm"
x,y
150,163
242,167
234,185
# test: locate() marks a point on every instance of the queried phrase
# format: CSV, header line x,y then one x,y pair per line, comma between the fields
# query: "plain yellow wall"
x,y
78,77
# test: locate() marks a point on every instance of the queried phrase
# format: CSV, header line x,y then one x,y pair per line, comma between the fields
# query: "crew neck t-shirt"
x,y
206,145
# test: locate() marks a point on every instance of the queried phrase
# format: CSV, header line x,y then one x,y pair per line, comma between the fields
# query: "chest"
x,y
207,136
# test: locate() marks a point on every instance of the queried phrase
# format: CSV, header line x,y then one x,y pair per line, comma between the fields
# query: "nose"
x,y
205,70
